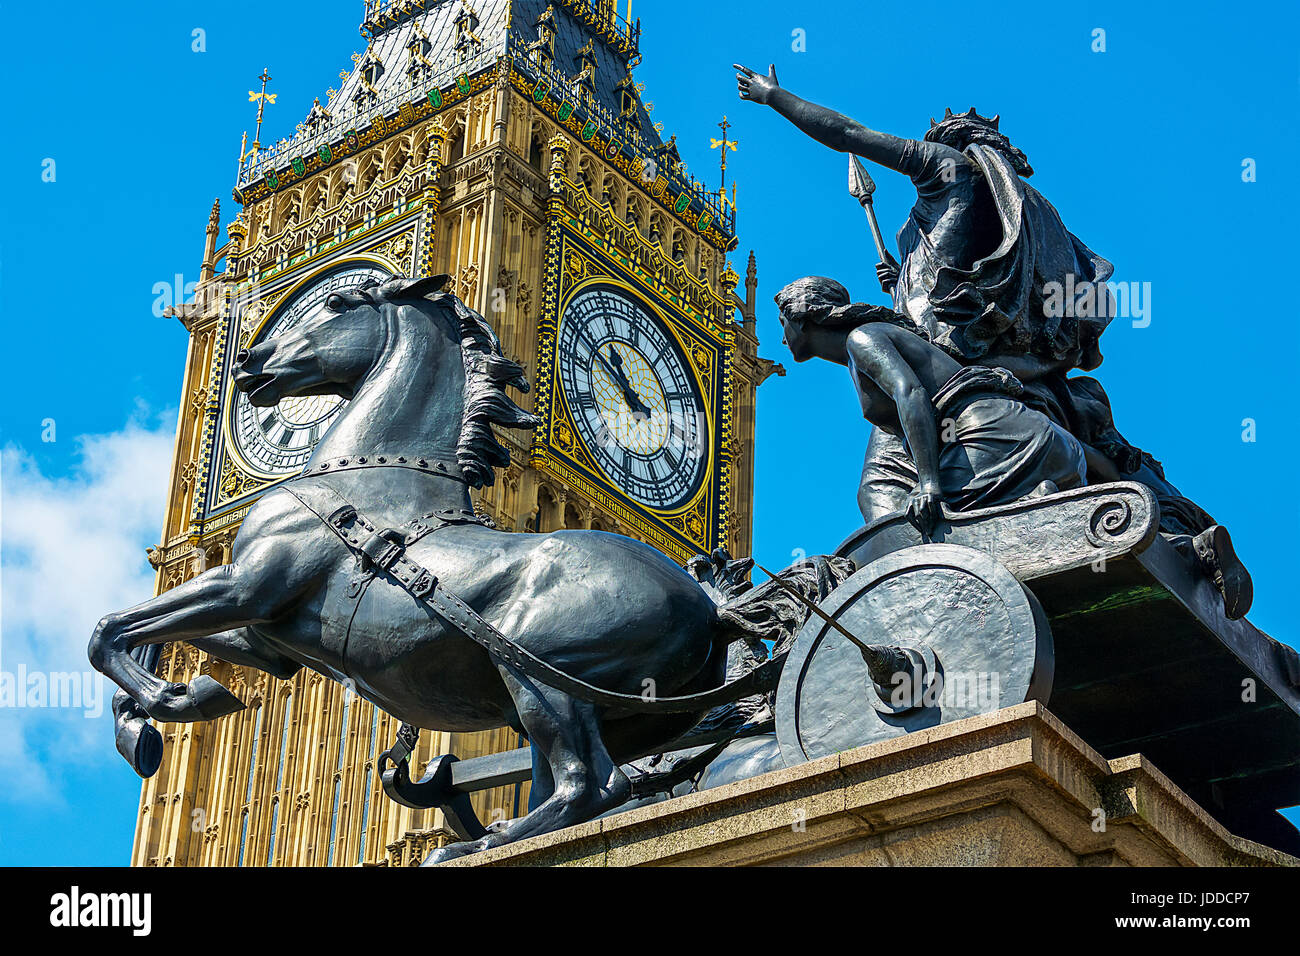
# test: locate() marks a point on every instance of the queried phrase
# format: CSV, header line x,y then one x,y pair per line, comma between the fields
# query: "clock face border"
x,y
699,397
575,254
284,300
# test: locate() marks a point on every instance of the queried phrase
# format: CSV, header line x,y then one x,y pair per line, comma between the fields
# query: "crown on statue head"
x,y
970,116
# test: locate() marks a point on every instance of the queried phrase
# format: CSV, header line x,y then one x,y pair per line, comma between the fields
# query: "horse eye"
x,y
335,303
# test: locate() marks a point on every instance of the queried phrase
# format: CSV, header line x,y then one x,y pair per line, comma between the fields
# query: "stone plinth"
x,y
1011,788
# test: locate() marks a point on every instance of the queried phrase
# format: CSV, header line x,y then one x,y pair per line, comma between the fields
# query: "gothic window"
x,y
542,50
275,823
548,511
248,792
417,53
365,786
285,729
338,777
468,42
456,145
317,118
586,64
536,150
243,835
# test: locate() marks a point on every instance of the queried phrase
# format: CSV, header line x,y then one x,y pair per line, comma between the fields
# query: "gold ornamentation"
x,y
235,483
398,251
702,358
563,436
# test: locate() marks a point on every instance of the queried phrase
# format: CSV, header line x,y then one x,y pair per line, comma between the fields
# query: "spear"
x,y
883,660
861,186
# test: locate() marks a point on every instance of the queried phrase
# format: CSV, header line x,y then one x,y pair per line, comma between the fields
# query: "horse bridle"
x,y
439,467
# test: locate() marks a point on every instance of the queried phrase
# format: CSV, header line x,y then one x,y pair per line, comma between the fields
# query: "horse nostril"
x,y
241,357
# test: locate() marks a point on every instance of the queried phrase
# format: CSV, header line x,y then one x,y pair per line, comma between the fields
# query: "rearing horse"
x,y
426,381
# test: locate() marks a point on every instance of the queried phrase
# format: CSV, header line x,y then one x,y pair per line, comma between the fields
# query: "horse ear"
x,y
421,288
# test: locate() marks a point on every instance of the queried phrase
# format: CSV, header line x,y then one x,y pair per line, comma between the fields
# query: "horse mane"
x,y
487,374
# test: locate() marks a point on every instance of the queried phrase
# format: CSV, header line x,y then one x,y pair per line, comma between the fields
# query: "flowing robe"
x,y
981,252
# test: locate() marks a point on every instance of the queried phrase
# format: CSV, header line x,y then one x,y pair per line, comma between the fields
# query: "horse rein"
x,y
385,549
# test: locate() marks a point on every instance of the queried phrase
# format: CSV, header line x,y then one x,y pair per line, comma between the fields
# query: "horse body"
x,y
426,378
551,593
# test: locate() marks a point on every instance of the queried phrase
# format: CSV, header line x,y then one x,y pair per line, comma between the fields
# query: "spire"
x,y
210,242
750,311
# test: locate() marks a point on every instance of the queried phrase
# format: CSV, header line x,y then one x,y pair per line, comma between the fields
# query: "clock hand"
x,y
634,403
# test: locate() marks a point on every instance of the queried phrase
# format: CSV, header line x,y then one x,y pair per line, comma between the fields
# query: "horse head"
x,y
332,351
426,374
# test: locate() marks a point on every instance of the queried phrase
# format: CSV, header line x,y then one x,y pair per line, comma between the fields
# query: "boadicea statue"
x,y
599,648
988,276
1013,547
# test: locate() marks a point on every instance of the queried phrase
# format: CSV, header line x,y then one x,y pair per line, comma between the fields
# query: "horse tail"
x,y
769,614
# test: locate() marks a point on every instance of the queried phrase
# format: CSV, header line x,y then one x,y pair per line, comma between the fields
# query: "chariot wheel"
x,y
940,632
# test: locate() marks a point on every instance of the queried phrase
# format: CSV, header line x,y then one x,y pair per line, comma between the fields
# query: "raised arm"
x,y
833,129
873,353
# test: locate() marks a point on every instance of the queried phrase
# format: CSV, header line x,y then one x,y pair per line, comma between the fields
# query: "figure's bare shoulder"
x,y
875,341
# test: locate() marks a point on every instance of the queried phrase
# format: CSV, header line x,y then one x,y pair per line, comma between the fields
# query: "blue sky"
x,y
1140,148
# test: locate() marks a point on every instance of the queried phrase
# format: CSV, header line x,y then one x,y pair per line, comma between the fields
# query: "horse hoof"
x,y
213,700
140,743
453,851
202,699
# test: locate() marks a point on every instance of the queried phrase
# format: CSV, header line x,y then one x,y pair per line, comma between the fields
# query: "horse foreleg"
x,y
141,744
220,599
586,781
240,646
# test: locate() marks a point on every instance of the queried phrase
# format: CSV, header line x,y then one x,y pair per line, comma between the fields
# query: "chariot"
x,y
1073,599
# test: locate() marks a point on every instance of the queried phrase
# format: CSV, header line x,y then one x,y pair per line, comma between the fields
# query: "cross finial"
x,y
725,144
261,99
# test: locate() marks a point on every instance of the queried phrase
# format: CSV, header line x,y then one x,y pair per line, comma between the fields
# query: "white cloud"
x,y
73,550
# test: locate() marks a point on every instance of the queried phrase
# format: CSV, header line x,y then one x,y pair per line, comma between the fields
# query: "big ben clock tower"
x,y
503,142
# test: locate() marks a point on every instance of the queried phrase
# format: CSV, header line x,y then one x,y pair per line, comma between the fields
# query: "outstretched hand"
x,y
755,86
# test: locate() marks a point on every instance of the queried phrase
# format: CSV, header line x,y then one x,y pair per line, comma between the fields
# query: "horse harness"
x,y
385,551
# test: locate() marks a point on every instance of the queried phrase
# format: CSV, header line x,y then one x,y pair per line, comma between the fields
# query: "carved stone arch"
x,y
293,205
340,183
395,157
549,513
419,148
572,515
613,191
271,216
539,134
457,136
634,212
656,229
369,167
315,197
589,175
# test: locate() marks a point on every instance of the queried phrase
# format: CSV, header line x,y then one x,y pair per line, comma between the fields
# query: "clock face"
x,y
279,440
635,404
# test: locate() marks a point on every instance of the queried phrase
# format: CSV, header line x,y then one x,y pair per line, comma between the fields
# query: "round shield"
x,y
935,633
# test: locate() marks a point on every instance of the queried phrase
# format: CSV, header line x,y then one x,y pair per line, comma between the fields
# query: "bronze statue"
x,y
985,261
965,437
